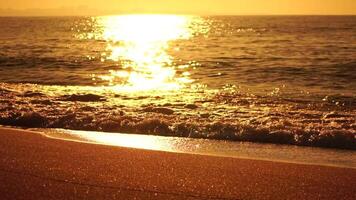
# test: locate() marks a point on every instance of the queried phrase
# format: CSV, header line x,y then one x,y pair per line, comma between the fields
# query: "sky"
x,y
206,7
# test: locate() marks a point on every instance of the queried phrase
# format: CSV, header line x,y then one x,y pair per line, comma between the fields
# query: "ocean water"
x,y
285,79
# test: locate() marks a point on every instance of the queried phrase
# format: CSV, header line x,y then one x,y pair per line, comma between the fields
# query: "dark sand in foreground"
x,y
35,167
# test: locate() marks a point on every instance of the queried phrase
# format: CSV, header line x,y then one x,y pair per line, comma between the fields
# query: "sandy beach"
x,y
178,99
36,167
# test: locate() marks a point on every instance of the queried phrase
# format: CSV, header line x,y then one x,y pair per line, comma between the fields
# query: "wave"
x,y
301,136
218,115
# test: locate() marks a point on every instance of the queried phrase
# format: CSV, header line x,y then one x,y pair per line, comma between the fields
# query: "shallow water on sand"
x,y
270,152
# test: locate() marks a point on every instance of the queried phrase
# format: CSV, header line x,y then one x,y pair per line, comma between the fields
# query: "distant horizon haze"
x,y
197,7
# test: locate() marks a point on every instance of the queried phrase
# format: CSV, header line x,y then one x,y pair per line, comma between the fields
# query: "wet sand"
x,y
35,167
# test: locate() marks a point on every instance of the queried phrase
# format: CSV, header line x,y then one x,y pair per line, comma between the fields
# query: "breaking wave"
x,y
212,114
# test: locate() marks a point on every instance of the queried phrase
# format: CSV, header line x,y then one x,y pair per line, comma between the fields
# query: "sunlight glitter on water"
x,y
242,89
139,45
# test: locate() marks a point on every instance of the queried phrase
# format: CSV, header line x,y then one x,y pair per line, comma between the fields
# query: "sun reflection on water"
x,y
139,45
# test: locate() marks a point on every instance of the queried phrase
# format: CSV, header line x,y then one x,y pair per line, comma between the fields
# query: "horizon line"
x,y
143,13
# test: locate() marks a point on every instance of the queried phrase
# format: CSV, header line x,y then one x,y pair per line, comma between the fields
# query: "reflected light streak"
x,y
124,140
139,43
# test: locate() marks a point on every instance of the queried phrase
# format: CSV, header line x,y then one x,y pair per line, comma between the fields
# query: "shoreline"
x,y
220,148
35,166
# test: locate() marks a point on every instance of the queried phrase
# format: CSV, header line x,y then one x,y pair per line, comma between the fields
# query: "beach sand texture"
x,y
35,167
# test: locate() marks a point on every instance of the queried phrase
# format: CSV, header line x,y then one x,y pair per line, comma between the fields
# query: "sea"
x,y
286,80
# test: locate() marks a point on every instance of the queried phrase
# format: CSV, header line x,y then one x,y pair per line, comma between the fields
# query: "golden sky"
x,y
227,7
